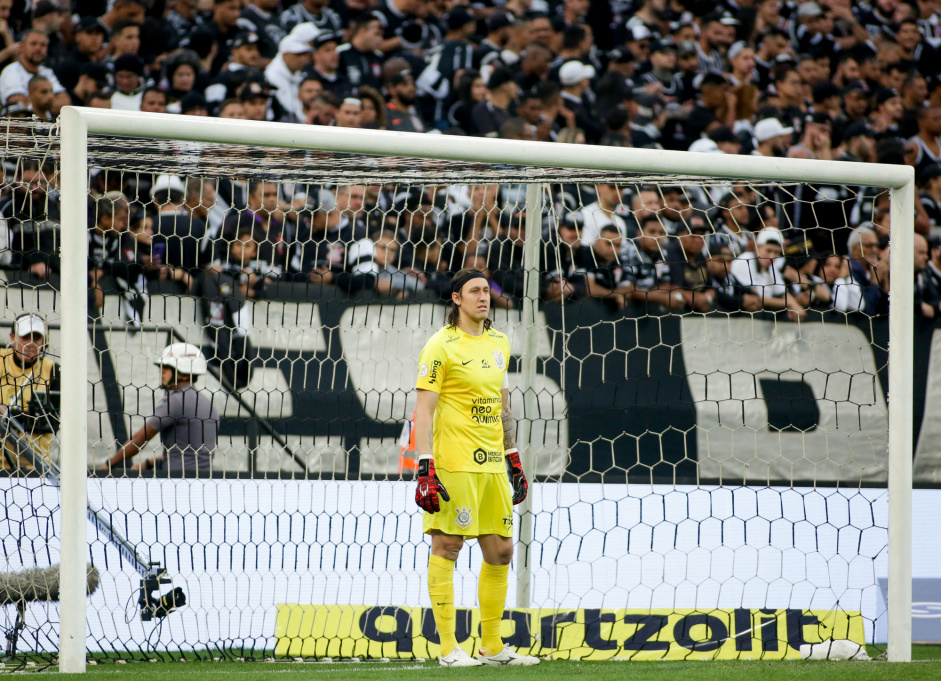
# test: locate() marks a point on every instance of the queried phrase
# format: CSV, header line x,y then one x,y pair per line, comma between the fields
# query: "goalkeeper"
x,y
465,436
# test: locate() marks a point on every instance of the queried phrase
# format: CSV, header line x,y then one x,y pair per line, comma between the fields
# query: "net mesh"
x,y
708,418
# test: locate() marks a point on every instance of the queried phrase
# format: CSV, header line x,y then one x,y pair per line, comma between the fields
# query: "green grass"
x,y
926,666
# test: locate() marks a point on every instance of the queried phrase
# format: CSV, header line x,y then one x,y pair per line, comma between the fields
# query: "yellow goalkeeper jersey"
x,y
468,373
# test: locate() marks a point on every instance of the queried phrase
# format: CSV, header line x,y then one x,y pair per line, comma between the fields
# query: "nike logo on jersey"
x,y
467,362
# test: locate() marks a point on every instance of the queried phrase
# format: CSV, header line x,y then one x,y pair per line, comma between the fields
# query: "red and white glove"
x,y
429,486
514,468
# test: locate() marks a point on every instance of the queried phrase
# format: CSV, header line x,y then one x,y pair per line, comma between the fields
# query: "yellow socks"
x,y
491,592
441,590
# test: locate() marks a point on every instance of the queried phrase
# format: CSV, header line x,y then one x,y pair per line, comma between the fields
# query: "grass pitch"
x,y
926,665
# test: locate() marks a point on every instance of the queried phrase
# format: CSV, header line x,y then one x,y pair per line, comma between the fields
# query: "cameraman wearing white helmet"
x,y
185,418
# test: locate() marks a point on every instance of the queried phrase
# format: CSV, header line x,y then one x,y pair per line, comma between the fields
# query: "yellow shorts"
x,y
481,503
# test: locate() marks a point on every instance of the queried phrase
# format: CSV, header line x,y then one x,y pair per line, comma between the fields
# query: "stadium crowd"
x,y
855,82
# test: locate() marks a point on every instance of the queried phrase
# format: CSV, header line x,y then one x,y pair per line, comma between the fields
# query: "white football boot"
x,y
509,657
458,658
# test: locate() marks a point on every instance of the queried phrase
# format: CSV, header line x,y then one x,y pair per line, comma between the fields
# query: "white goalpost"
x,y
535,165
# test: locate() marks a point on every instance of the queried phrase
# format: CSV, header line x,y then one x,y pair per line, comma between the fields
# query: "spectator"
x,y
360,59
31,218
933,268
927,294
815,142
325,61
245,53
488,115
929,181
810,289
221,28
182,72
98,100
373,114
285,74
885,117
350,113
789,97
697,290
860,290
224,291
733,225
773,138
14,79
712,109
760,273
605,276
104,242
858,144
319,251
373,264
264,19
92,78
928,139
263,214
255,96
177,233
129,81
575,78
40,98
125,39
469,91
89,36
194,104
316,12
717,33
653,266
564,254
505,258
498,26
153,100
401,114
323,109
307,92
602,213
29,381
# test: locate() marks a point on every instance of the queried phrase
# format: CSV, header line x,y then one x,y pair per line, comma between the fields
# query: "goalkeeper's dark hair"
x,y
454,313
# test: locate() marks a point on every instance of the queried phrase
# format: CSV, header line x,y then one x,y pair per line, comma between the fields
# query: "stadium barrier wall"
x,y
631,394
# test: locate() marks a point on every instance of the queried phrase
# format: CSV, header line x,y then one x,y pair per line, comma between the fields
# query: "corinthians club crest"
x,y
463,517
499,360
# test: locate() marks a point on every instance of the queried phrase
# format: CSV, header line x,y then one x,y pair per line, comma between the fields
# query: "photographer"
x,y
29,388
185,418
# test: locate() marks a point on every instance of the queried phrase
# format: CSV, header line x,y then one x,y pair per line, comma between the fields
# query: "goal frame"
x,y
77,123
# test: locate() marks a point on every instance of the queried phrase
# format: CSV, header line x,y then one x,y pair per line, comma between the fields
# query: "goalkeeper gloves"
x,y
517,478
429,486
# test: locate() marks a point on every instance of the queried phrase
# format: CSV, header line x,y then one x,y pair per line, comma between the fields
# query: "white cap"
x,y
574,72
704,145
30,324
809,9
293,45
768,128
305,31
770,235
186,358
640,33
736,49
167,183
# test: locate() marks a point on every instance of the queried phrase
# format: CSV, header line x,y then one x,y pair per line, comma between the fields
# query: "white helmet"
x,y
186,358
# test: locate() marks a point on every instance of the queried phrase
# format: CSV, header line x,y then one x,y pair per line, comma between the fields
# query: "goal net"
x,y
699,370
